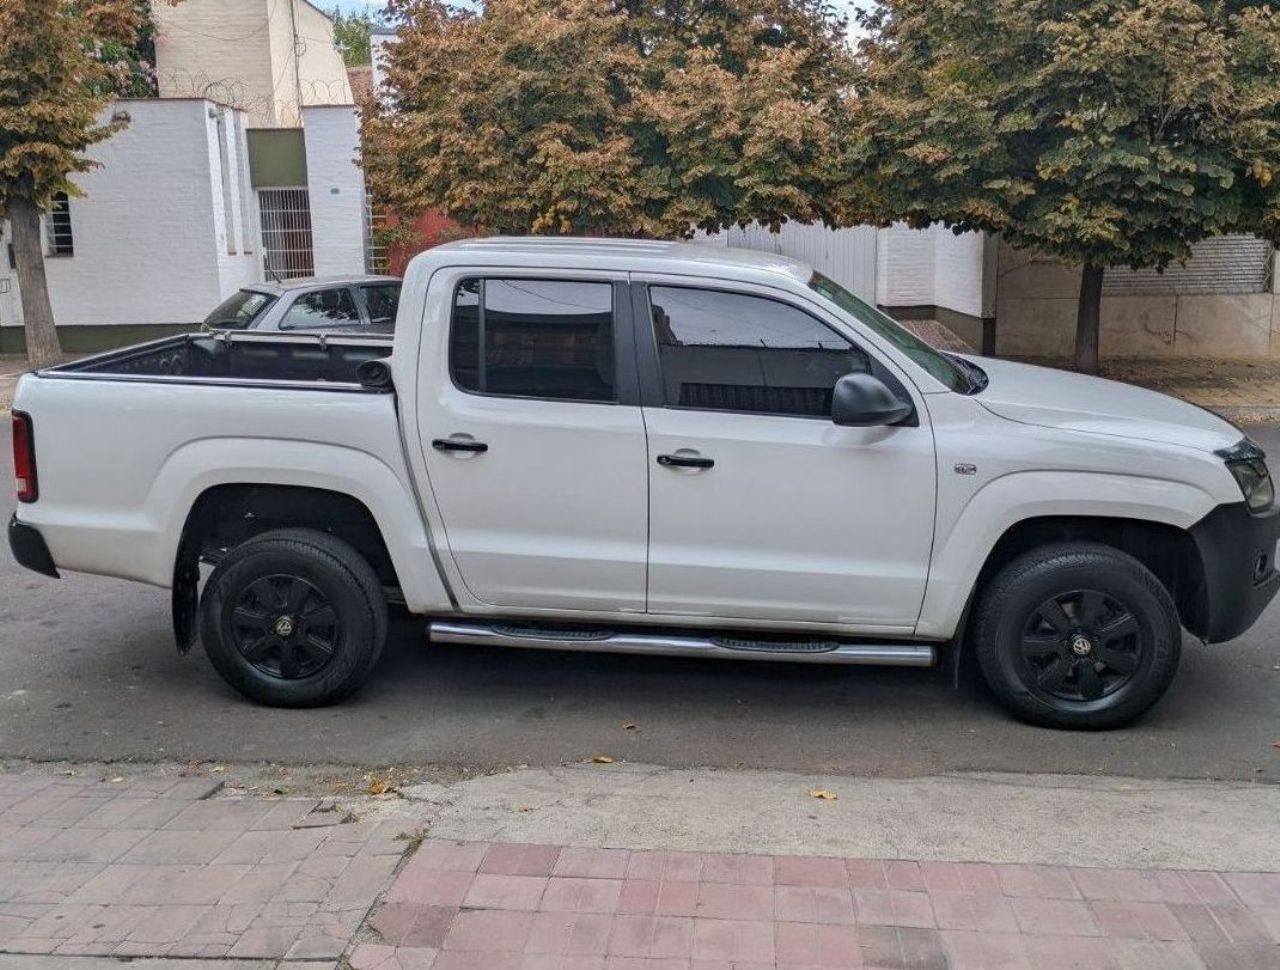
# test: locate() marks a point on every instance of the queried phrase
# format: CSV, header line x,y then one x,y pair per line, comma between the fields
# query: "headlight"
x,y
1248,465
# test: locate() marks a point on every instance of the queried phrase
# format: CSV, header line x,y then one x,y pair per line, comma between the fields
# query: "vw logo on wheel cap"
x,y
1081,645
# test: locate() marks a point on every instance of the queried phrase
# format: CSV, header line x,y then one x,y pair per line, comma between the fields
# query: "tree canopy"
x,y
351,34
1102,132
61,63
626,117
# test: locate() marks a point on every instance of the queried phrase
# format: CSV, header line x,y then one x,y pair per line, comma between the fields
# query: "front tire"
x,y
293,618
1077,635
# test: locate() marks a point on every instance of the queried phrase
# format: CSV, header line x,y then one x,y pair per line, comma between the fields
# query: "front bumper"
x,y
29,548
1238,552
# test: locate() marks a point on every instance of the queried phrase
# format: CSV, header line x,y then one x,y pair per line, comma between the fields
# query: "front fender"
x,y
1002,503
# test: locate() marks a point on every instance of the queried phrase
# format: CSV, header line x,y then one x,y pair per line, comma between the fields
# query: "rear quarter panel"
x,y
121,463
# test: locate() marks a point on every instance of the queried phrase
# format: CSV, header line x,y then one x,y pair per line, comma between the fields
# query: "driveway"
x,y
88,672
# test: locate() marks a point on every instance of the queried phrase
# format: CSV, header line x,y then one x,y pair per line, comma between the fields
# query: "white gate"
x,y
286,233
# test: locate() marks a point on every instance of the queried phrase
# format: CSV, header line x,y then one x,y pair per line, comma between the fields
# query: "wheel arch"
x,y
1168,551
205,484
225,515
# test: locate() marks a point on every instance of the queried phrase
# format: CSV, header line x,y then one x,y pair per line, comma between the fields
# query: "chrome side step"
x,y
676,645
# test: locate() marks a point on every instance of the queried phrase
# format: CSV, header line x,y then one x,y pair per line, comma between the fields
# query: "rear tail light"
x,y
24,457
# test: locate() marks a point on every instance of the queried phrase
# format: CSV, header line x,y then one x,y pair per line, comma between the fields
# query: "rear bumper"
x,y
29,548
1238,551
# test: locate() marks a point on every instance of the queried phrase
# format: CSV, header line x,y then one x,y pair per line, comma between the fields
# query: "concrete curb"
x,y
980,817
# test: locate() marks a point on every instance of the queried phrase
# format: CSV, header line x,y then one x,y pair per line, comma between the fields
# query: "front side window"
x,y
322,308
533,338
726,351
938,366
239,310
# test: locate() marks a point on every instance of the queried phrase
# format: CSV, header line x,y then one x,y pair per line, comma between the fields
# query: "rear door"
x,y
760,506
534,441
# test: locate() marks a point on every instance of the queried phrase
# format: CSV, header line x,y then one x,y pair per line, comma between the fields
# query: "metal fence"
x,y
286,233
376,254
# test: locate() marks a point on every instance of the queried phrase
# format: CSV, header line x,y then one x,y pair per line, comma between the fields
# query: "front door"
x,y
535,445
760,506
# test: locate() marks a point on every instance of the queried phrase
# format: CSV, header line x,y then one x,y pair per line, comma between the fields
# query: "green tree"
x,y
621,117
351,34
61,63
1101,132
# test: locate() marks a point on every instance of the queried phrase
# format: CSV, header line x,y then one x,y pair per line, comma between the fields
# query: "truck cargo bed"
x,y
237,359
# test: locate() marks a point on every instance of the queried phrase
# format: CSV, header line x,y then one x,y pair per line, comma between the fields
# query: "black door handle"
x,y
459,444
685,461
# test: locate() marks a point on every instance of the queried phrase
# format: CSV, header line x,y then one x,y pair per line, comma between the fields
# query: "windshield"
x,y
239,310
938,365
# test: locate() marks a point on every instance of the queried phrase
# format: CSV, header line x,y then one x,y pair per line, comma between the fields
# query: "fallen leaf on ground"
x,y
379,787
116,780
525,808
628,726
218,769
823,793
603,759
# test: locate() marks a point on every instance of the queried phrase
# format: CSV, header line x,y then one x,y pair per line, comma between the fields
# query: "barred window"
x,y
57,227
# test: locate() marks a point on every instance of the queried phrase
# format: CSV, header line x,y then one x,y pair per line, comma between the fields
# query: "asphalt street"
x,y
88,671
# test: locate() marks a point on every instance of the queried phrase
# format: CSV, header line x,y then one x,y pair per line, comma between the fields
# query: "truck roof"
x,y
658,256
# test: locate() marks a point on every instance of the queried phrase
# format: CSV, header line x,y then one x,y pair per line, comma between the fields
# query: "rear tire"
x,y
1077,635
293,618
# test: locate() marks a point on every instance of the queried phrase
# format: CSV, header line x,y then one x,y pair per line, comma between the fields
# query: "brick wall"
x,y
150,233
336,188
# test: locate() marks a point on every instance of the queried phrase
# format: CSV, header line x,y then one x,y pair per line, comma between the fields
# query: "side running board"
x,y
679,645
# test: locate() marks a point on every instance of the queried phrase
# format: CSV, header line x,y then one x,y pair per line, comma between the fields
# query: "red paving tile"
x,y
535,907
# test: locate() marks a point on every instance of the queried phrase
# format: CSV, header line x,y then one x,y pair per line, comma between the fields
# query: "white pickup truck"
x,y
648,447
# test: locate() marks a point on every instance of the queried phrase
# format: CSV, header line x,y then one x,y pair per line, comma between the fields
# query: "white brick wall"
x,y
150,232
930,267
336,188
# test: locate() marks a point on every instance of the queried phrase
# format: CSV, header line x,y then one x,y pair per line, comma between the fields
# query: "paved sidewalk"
x,y
578,871
505,906
156,867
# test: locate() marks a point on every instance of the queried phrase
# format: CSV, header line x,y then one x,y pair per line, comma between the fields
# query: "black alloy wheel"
x,y
293,618
1082,645
285,627
1076,635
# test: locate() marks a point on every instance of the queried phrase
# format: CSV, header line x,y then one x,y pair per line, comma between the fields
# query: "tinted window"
x,y
381,301
533,338
888,328
240,309
323,308
733,352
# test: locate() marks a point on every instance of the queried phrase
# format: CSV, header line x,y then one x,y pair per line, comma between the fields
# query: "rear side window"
x,y
381,300
533,338
240,309
323,308
723,351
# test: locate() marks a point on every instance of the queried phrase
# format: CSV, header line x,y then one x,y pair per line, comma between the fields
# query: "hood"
x,y
1076,402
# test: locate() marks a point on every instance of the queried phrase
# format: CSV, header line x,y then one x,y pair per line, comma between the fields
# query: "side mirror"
x,y
863,401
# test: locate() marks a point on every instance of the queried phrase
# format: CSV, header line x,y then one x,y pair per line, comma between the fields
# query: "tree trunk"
x,y
1088,316
43,348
